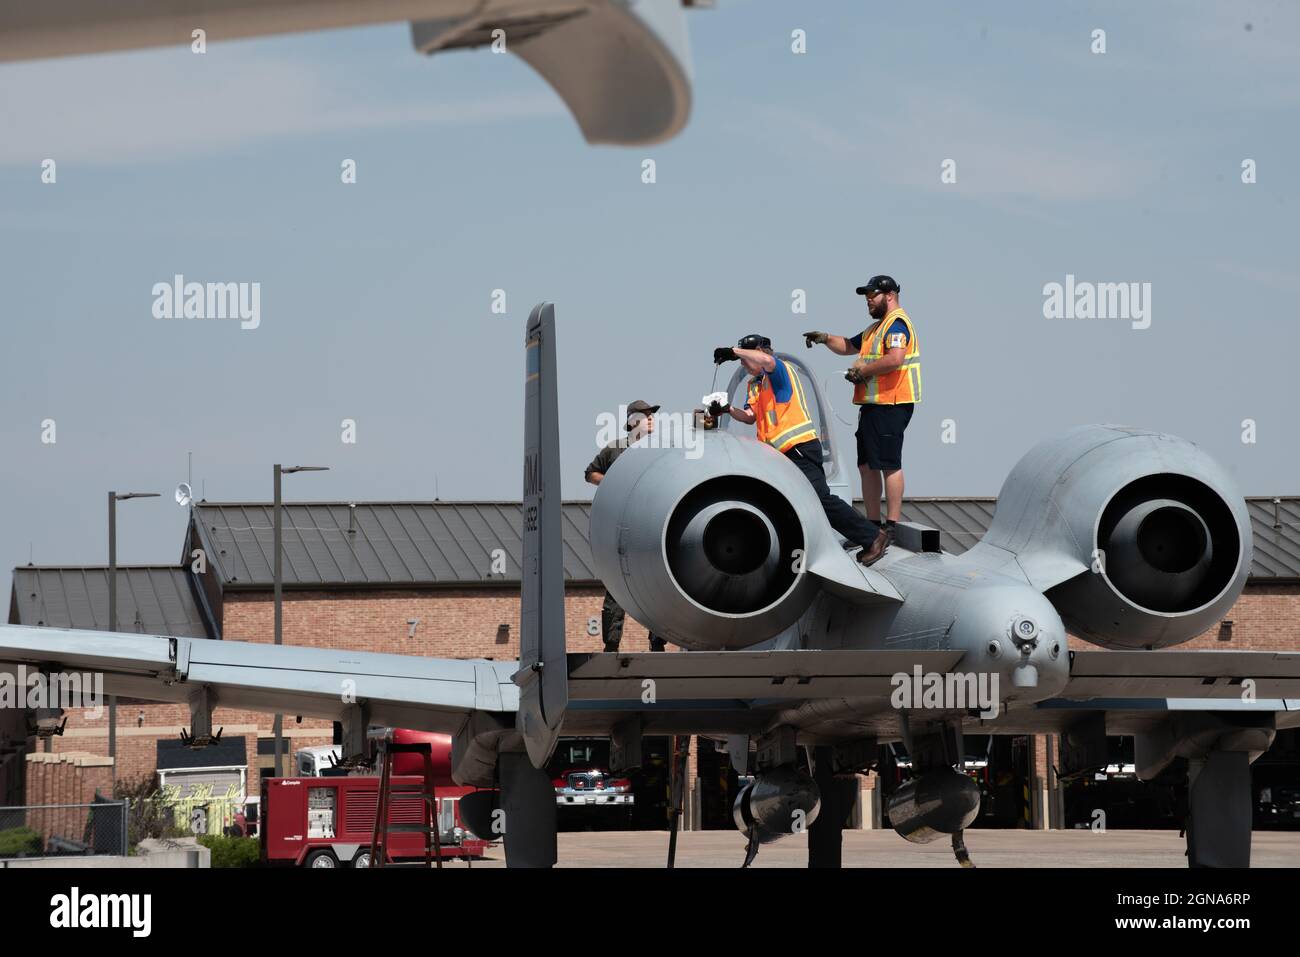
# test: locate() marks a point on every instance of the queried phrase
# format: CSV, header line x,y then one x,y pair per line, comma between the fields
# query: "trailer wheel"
x,y
321,859
362,860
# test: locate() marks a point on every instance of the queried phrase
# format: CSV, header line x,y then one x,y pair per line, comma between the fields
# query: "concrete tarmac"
x,y
884,849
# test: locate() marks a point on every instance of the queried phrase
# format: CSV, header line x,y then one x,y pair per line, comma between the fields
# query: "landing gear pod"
x,y
779,802
938,802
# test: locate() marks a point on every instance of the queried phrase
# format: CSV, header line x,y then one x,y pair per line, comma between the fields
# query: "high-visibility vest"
x,y
901,385
782,425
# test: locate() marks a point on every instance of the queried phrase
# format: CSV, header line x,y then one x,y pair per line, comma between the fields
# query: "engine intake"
x,y
1170,543
724,545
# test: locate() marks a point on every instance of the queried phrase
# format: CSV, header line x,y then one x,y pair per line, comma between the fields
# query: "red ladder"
x,y
429,803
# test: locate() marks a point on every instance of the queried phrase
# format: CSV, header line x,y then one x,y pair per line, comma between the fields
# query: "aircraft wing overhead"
x,y
623,69
430,694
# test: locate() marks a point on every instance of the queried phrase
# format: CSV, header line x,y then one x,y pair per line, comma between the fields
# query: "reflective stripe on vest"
x,y
782,425
901,385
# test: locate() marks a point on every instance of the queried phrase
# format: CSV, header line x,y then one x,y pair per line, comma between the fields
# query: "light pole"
x,y
113,499
277,729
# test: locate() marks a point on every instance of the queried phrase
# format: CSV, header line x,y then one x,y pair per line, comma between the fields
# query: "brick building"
x,y
442,579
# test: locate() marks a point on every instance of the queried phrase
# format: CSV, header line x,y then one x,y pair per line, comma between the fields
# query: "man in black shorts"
x,y
886,387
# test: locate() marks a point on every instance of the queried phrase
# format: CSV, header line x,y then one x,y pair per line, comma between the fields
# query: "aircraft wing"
x,y
622,67
723,692
746,691
1136,690
429,694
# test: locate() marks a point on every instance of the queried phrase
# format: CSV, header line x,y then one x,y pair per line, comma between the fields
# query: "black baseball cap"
x,y
754,341
879,284
640,406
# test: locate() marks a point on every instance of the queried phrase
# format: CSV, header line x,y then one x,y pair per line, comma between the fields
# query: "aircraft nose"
x,y
1016,634
1032,643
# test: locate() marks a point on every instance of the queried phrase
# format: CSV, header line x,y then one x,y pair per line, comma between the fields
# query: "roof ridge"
x,y
156,566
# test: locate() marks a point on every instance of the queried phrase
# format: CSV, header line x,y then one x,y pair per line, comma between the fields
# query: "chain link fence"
x,y
56,830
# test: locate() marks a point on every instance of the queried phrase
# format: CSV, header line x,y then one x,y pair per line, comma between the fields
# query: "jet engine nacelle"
x,y
709,544
1139,539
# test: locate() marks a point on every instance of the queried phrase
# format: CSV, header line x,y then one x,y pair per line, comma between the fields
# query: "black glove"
x,y
718,409
817,338
723,354
856,375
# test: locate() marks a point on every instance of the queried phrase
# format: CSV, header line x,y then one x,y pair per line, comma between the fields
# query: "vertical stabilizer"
x,y
542,677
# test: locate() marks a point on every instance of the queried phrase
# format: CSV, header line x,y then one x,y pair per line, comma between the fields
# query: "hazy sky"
x,y
808,172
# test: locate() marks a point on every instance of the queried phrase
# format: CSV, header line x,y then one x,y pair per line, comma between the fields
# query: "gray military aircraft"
x,y
621,66
1132,540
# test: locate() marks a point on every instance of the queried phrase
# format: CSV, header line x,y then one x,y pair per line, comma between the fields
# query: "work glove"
x,y
716,403
723,354
815,338
856,375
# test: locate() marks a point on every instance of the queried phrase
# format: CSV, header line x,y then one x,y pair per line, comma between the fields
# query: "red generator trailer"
x,y
330,821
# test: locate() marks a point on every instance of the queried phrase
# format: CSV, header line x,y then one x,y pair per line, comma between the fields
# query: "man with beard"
x,y
886,387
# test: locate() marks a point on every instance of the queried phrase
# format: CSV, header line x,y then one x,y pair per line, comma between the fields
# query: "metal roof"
x,y
151,599
396,544
404,544
962,521
1274,523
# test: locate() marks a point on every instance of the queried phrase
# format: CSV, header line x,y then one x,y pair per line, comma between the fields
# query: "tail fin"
x,y
543,674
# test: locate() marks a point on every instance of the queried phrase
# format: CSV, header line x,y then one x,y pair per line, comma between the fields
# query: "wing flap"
x,y
766,675
1208,674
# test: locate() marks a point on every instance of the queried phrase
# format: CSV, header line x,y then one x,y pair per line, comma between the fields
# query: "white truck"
x,y
314,761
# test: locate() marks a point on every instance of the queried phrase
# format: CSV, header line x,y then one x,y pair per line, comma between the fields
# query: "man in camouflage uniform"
x,y
640,422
